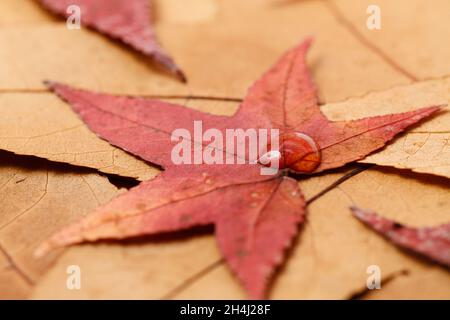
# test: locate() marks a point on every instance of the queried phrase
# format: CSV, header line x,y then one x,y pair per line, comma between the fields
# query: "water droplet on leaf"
x,y
300,153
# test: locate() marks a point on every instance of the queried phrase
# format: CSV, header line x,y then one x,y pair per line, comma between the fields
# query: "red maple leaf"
x,y
124,20
432,242
256,216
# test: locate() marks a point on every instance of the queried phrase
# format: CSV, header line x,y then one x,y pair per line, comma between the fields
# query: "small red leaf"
x,y
124,20
432,242
256,216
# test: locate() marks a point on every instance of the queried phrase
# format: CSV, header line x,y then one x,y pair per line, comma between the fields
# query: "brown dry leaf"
x,y
185,12
147,269
414,34
317,270
17,12
423,283
229,8
23,12
250,51
36,199
426,147
39,124
12,283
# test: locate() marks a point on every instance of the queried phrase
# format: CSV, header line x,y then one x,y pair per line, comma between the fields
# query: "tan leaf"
x,y
43,126
15,12
23,12
183,12
412,33
12,283
422,283
425,148
146,269
38,198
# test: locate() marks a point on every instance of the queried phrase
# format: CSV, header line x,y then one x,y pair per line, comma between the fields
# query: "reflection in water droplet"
x,y
270,156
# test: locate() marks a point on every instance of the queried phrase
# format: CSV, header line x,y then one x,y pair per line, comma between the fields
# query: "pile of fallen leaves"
x,y
295,232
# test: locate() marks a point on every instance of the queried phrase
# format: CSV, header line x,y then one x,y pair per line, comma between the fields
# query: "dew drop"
x,y
300,152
